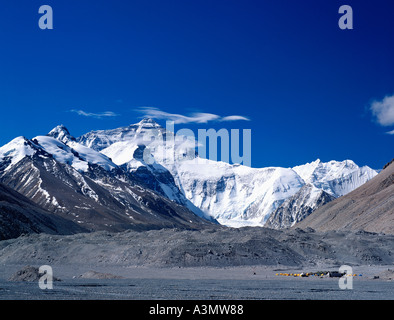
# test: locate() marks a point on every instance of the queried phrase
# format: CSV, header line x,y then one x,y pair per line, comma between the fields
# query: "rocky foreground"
x,y
208,248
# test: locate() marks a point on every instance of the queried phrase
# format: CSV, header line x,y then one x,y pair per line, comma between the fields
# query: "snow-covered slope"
x,y
241,196
335,177
61,133
101,139
157,177
74,154
235,195
14,151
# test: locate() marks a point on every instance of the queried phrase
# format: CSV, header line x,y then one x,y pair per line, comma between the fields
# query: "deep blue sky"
x,y
305,85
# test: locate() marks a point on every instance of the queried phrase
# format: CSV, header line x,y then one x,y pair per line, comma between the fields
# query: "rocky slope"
x,y
219,247
19,215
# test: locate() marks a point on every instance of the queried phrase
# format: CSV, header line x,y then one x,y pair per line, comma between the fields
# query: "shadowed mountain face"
x,y
369,207
19,215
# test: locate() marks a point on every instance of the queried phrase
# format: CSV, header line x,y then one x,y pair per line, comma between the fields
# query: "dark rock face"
x,y
298,207
19,215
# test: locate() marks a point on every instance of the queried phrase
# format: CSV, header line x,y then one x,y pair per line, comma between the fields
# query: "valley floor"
x,y
233,283
224,263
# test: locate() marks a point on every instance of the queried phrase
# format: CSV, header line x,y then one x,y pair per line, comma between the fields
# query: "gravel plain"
x,y
229,264
237,283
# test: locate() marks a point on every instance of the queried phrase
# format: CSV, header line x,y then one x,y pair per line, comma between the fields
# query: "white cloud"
x,y
383,111
390,132
95,115
234,118
200,117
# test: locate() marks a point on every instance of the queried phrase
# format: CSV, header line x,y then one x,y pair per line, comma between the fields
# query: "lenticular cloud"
x,y
151,112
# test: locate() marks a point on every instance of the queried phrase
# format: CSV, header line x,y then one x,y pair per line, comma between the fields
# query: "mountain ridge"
x,y
222,190
77,186
102,167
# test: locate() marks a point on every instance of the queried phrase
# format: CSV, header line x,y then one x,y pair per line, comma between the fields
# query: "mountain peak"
x,y
350,163
148,122
61,133
15,150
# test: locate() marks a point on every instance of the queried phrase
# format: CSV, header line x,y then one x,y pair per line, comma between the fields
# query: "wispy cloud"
x,y
383,111
390,132
199,117
100,115
234,118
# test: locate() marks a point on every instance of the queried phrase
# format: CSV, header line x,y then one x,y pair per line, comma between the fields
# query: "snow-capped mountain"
x,y
235,195
121,178
298,207
213,189
101,139
85,186
61,133
241,196
74,154
336,178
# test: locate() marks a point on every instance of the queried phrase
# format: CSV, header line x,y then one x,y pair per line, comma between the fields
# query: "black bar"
x,y
192,309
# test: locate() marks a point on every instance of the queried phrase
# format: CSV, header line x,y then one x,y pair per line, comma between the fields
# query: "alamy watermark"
x,y
346,281
46,280
344,22
46,20
183,145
